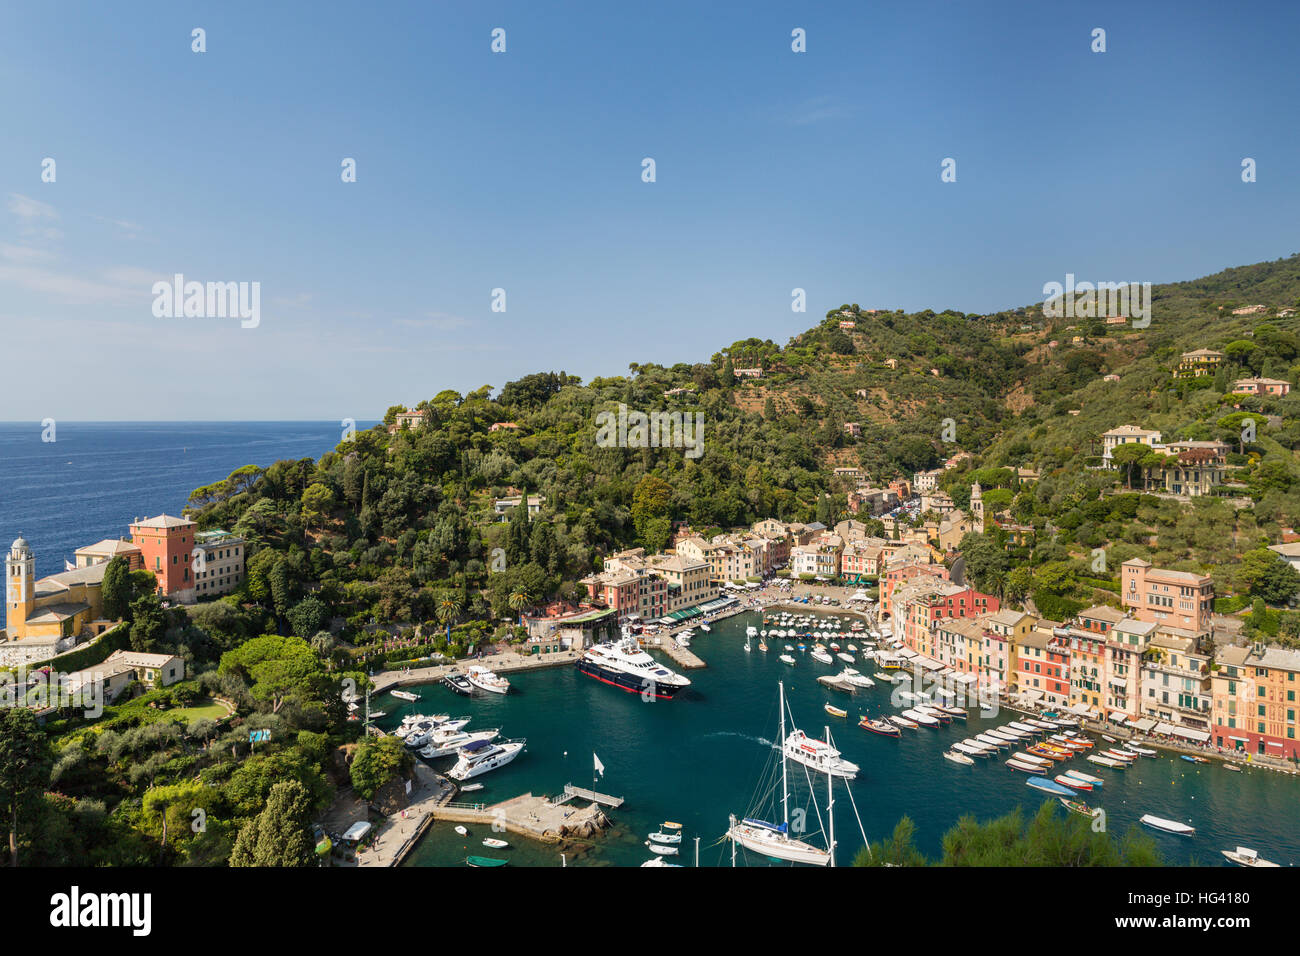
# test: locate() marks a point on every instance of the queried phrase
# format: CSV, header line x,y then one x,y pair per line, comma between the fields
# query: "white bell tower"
x,y
20,588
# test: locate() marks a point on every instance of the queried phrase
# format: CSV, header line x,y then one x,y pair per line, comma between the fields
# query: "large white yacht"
x,y
482,756
485,679
624,664
819,755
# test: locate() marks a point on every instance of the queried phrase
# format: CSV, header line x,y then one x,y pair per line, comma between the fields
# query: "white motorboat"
x,y
666,837
992,741
957,757
1169,826
484,679
821,656
819,755
1244,856
661,850
482,756
925,720
787,659
404,695
450,745
461,830
857,680
705,627
494,844
660,861
846,658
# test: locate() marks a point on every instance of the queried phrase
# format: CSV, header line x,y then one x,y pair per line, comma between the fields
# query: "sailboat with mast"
x,y
774,840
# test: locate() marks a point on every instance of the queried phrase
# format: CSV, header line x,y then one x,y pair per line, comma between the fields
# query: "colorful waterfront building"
x,y
1255,693
1177,598
1126,642
1043,660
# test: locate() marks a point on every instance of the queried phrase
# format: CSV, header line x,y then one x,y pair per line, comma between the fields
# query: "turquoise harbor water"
x,y
699,757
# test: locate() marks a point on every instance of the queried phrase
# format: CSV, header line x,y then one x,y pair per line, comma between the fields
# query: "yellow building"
x,y
47,617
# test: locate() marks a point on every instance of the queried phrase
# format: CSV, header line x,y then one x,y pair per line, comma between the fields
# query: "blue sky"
x,y
522,171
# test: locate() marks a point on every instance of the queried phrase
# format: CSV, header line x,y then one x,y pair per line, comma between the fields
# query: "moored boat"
x,y
1244,856
1077,806
1169,826
835,711
956,757
882,727
484,861
902,722
1077,784
1051,786
1190,759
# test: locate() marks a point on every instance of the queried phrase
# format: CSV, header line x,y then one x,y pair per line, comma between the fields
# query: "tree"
x,y
25,764
148,623
317,500
117,589
281,834
308,616
1127,457
378,760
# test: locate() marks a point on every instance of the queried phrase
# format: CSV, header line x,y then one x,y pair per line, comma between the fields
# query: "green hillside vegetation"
x,y
388,551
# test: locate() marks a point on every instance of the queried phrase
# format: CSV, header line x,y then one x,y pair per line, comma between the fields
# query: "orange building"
x,y
1255,691
166,544
1176,598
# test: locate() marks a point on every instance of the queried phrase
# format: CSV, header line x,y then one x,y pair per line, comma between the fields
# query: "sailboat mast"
x,y
785,789
830,804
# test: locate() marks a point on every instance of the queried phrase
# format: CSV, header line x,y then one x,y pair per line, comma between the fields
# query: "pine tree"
x,y
281,834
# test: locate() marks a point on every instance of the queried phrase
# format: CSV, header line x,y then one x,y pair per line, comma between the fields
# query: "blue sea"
x,y
96,477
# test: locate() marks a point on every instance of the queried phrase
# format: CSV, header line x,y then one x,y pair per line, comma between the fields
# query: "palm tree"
x,y
520,598
448,608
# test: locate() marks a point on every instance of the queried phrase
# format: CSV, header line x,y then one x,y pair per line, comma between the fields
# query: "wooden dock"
x,y
570,792
680,655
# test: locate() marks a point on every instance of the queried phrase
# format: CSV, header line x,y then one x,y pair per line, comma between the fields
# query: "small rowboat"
x,y
661,850
1103,761
484,861
493,844
1084,778
670,825
902,722
666,837
834,711
1016,764
787,659
882,727
1077,806
1144,751
1050,786
1189,758
1074,782
462,831
956,757
471,787
1233,767
1108,738
1169,826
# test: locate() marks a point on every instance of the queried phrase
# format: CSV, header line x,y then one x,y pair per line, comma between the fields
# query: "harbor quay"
x,y
502,662
536,817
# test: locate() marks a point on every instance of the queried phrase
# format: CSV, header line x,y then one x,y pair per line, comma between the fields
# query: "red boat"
x,y
882,727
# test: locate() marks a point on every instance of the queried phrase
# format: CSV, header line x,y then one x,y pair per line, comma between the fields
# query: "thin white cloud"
x,y
25,207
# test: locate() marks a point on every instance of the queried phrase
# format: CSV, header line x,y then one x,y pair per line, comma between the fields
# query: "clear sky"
x,y
522,170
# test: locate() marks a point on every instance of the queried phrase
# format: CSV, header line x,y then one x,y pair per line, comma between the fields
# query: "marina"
x,y
721,731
